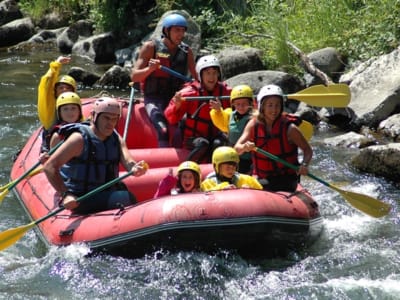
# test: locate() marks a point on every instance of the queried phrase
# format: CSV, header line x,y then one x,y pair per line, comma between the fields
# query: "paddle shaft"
x,y
364,203
128,118
176,74
19,179
337,95
89,194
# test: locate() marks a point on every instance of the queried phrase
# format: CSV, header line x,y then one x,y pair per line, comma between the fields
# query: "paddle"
x,y
370,206
128,118
306,129
176,74
13,235
31,174
335,95
8,187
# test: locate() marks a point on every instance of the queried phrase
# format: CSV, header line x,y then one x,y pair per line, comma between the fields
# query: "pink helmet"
x,y
106,104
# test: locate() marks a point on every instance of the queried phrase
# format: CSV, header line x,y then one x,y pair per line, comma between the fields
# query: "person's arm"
x,y
138,168
46,94
175,109
55,139
247,181
192,64
71,148
144,64
244,144
296,137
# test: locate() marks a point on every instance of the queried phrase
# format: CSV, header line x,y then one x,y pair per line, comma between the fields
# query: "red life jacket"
x,y
160,84
198,121
275,142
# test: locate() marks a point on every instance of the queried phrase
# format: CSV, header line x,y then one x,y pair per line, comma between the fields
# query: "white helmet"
x,y
206,62
269,90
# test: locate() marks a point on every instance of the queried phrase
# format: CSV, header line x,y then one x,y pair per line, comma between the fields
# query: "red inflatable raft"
x,y
251,222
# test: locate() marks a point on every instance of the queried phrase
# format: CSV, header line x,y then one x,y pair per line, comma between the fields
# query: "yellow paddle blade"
x,y
306,129
36,171
334,95
364,203
3,194
13,235
2,188
5,189
371,206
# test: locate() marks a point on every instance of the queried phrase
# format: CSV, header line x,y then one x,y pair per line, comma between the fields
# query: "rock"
x,y
391,127
382,160
9,11
329,61
81,75
116,76
99,48
350,140
375,89
238,60
16,31
72,34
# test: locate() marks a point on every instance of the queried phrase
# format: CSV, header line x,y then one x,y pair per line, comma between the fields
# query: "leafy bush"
x,y
359,29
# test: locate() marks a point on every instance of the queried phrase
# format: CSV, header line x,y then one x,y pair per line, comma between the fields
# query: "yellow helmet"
x,y
241,91
224,154
192,166
68,98
67,80
189,165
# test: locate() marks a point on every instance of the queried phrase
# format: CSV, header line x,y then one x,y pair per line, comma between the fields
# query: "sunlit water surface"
x,y
356,257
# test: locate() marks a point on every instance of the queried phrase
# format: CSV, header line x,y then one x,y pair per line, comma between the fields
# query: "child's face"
x,y
242,105
188,180
227,169
70,113
63,87
209,78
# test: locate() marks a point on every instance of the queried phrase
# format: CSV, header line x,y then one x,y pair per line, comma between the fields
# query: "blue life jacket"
x,y
97,164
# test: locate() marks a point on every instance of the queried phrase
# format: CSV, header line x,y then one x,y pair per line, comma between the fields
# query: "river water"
x,y
356,257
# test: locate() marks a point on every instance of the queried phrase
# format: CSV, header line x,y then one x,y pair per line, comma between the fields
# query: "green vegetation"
x,y
359,29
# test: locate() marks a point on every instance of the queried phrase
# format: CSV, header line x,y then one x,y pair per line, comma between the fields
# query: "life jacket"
x,y
97,164
198,122
276,142
160,84
213,177
235,130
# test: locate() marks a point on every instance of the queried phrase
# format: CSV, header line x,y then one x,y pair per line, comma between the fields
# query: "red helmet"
x,y
106,104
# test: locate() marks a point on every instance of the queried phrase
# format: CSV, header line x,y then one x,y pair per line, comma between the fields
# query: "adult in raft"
x,y
88,158
200,136
276,133
158,86
51,86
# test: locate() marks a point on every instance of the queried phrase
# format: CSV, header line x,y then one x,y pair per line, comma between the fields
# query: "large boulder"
x,y
9,11
237,60
74,33
375,89
99,48
16,31
382,160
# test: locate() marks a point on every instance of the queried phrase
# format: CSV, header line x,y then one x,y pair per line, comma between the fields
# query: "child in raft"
x,y
187,181
225,161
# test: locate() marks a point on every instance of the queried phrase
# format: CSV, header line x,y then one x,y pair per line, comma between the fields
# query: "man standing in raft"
x,y
276,133
158,86
88,158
